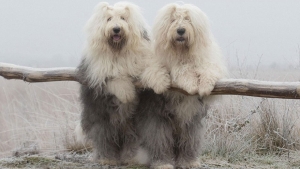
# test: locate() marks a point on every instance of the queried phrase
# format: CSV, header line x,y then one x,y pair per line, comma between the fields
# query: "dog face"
x,y
180,31
116,28
182,27
119,25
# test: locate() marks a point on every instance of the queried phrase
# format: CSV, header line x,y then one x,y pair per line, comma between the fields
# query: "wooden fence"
x,y
245,87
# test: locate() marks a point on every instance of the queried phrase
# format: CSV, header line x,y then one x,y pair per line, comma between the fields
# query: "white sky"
x,y
45,33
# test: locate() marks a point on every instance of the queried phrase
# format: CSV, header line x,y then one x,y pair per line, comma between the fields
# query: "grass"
x,y
241,131
243,127
55,163
41,113
276,132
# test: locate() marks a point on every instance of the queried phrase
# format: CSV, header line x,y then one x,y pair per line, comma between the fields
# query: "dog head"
x,y
183,27
117,26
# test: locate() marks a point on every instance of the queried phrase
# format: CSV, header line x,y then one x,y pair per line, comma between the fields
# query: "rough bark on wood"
x,y
28,74
286,90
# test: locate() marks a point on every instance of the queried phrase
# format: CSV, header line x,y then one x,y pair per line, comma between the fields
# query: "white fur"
x,y
141,157
162,166
195,64
122,66
80,136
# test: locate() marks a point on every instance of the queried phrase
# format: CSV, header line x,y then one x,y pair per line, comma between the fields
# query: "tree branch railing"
x,y
245,87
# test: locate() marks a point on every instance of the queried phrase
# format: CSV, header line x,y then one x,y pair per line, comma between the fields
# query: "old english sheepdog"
x,y
170,125
116,55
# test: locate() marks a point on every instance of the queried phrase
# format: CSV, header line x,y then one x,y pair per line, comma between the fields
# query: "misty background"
x,y
46,33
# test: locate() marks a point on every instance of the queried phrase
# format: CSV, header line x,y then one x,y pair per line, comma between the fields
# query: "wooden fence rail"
x,y
245,87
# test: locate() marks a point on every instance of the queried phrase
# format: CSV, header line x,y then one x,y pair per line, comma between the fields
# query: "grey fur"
x,y
107,122
145,35
166,137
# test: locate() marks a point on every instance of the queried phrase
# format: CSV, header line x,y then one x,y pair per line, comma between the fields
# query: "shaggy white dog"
x,y
185,44
118,46
171,126
116,55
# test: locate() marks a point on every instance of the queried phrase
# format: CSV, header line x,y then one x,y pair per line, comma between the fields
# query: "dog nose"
x,y
116,29
180,31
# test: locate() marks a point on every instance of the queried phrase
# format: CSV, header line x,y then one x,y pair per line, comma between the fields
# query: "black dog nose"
x,y
180,31
116,29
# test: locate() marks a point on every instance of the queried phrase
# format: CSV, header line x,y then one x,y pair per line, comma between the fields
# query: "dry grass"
x,y
277,129
238,128
41,113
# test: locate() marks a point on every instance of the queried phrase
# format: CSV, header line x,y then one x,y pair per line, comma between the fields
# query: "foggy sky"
x,y
45,33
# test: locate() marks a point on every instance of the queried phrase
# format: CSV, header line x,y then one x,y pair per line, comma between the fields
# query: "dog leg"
x,y
155,130
105,140
158,141
188,81
206,85
208,77
129,143
97,126
188,142
141,157
157,78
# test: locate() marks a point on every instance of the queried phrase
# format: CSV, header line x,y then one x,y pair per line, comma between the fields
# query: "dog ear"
x,y
94,26
137,24
99,12
168,11
131,9
102,7
162,24
127,9
200,23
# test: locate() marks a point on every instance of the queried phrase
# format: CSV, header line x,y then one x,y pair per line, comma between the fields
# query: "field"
x,y
37,123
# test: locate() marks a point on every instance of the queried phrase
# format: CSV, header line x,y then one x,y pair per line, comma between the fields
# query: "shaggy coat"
x,y
116,55
170,126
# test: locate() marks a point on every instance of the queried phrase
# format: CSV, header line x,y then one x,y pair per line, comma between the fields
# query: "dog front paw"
x,y
126,96
162,84
157,79
206,86
189,82
191,89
